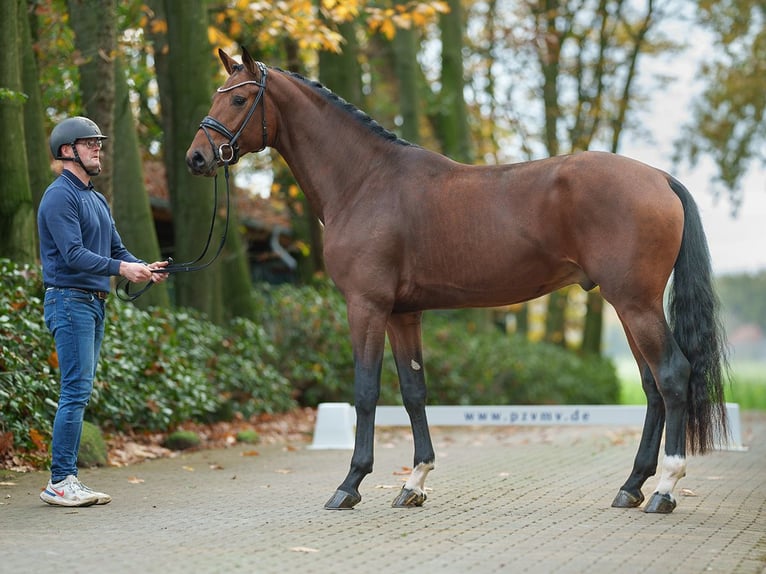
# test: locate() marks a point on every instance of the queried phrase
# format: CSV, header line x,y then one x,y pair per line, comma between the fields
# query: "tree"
x,y
94,25
17,222
38,158
728,118
580,60
183,57
453,117
131,208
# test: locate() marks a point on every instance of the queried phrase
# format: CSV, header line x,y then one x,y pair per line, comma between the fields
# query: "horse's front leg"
x,y
367,339
405,338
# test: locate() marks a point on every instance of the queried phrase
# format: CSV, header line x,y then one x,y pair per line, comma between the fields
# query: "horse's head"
x,y
236,122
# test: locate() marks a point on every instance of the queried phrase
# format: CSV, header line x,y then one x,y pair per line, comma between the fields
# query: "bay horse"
x,y
407,229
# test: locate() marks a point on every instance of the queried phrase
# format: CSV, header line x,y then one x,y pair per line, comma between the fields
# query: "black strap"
x,y
122,289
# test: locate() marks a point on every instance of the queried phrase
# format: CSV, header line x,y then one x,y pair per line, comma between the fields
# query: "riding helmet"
x,y
72,129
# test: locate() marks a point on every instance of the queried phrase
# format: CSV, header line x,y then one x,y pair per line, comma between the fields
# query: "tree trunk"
x,y
94,25
17,222
183,64
38,160
454,134
594,324
406,66
131,209
235,270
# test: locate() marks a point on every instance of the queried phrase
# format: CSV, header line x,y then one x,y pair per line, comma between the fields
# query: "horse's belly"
x,y
497,286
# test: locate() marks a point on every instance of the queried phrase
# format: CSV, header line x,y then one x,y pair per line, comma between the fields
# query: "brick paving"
x,y
501,500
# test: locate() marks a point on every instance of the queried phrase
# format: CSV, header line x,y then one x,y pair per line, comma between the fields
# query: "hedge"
x,y
161,368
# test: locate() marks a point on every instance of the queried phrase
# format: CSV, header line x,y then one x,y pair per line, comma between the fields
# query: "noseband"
x,y
228,153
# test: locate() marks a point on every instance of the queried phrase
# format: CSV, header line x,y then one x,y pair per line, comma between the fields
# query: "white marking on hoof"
x,y
417,478
673,469
415,365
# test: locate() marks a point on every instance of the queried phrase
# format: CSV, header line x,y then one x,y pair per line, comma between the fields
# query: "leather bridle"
x,y
228,152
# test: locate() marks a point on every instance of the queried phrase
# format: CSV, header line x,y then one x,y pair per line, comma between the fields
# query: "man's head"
x,y
75,137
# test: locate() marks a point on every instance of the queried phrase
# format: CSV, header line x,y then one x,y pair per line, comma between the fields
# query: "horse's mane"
x,y
361,116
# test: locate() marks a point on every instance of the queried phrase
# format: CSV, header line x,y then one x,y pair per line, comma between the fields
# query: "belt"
x,y
102,295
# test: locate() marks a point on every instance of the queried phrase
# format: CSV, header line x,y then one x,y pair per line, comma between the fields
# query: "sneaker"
x,y
101,497
68,492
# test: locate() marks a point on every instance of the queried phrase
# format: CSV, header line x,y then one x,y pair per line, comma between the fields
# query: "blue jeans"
x,y
76,320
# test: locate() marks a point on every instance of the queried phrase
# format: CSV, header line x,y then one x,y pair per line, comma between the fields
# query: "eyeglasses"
x,y
92,143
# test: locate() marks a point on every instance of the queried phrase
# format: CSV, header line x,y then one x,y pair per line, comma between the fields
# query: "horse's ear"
x,y
228,61
248,61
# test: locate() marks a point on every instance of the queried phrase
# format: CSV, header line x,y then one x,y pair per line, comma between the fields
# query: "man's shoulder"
x,y
61,190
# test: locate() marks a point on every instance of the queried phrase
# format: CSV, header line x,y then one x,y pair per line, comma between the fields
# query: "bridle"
x,y
226,154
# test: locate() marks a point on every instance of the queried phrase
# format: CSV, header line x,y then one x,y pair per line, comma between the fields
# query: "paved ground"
x,y
503,500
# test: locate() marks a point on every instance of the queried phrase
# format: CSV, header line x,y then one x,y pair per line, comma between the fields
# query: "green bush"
x,y
489,369
309,330
159,369
310,333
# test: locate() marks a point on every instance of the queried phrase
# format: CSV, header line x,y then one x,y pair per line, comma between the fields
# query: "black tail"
x,y
697,329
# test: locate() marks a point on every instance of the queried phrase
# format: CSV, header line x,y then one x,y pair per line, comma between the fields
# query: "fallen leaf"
x,y
188,468
405,470
283,471
687,492
305,549
216,467
250,453
135,480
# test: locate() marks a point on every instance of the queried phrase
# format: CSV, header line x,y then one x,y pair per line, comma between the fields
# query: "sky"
x,y
736,244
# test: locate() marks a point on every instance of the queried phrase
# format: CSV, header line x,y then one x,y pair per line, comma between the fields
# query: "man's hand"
x,y
159,277
135,272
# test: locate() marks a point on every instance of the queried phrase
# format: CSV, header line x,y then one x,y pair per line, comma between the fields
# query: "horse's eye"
x,y
239,100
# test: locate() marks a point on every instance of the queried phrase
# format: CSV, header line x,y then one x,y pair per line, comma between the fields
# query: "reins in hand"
x,y
123,286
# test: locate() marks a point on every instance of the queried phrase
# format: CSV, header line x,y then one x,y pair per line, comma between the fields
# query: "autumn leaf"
x,y
37,439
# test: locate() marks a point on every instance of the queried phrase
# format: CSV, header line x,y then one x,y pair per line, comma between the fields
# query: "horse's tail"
x,y
696,327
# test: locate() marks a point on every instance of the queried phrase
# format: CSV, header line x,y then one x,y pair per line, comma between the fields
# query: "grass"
x,y
746,388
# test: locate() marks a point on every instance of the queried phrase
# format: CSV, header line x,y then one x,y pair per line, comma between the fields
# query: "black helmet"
x,y
71,130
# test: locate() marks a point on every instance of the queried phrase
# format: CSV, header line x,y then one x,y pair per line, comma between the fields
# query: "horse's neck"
x,y
330,153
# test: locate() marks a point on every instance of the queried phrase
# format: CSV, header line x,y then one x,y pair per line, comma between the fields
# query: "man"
x,y
80,249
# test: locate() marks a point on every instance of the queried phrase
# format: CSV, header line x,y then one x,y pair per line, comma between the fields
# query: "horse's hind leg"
x,y
645,463
405,337
653,340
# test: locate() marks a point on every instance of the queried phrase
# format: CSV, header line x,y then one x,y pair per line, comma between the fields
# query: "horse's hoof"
x,y
342,501
408,498
660,504
625,499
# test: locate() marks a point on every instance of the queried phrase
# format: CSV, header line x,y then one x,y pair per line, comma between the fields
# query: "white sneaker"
x,y
101,497
68,492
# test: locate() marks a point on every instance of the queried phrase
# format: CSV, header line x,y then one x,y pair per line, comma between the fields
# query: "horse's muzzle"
x,y
198,164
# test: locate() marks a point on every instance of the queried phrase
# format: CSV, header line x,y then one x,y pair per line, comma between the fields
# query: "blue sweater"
x,y
79,243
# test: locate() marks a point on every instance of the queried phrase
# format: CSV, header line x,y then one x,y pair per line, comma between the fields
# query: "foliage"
x,y
463,367
157,369
742,298
728,118
310,333
309,330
